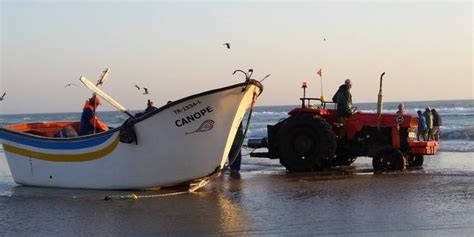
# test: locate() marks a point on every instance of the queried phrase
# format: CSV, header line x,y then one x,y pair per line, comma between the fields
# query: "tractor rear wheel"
x,y
388,158
415,160
306,143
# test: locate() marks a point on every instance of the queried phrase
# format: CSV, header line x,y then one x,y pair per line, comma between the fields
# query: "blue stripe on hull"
x,y
59,144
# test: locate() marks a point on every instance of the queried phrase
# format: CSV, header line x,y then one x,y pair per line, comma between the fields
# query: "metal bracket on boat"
x,y
248,76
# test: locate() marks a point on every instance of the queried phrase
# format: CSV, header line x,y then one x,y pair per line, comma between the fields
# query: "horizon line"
x,y
34,113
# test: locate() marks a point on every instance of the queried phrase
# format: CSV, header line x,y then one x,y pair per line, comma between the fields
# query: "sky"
x,y
175,49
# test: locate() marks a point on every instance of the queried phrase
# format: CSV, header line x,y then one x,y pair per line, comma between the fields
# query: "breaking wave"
x,y
456,146
465,134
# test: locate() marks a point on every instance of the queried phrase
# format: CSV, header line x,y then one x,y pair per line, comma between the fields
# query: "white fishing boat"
x,y
182,141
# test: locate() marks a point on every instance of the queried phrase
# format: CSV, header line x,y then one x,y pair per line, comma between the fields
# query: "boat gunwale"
x,y
135,120
149,114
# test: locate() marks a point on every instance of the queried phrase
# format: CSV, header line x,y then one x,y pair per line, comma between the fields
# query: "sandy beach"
x,y
263,200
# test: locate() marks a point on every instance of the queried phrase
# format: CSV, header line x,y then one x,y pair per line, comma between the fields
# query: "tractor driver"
x,y
343,100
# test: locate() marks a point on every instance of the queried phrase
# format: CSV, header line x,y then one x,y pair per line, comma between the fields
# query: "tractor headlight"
x,y
412,134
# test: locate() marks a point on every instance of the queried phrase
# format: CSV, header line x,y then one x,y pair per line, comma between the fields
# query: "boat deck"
x,y
44,129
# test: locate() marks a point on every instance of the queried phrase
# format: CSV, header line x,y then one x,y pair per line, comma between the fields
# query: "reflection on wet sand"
x,y
83,212
232,217
262,200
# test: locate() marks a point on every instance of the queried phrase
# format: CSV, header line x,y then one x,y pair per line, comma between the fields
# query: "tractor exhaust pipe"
x,y
380,101
380,97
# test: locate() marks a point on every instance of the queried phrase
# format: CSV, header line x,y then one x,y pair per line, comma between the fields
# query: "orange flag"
x,y
319,72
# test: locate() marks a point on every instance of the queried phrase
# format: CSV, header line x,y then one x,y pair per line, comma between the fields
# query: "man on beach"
x,y
437,123
429,124
421,126
235,165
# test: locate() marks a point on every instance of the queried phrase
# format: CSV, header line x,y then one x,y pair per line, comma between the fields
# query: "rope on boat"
x,y
133,196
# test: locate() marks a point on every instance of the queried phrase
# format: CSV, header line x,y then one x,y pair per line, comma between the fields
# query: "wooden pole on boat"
x,y
93,112
103,78
104,96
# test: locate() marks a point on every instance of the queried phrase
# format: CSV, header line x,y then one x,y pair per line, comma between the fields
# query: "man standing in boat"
x,y
89,122
149,108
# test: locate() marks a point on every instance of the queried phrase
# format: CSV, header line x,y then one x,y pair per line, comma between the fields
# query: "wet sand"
x,y
437,200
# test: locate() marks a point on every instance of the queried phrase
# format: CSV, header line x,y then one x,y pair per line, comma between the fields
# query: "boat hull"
x,y
179,142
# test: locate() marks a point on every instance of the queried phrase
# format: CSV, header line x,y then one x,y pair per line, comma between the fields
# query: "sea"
x,y
457,132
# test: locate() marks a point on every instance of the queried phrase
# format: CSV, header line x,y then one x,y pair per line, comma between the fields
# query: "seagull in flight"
x,y
136,86
146,91
71,84
3,96
227,45
103,78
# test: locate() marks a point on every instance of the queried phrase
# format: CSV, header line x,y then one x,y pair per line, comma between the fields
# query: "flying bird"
x,y
227,45
146,91
3,96
71,84
136,86
103,78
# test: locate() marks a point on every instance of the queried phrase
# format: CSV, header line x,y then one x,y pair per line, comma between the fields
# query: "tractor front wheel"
x,y
388,158
415,160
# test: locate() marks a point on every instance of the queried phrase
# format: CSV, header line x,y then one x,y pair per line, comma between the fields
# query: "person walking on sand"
x,y
437,123
421,126
401,109
429,124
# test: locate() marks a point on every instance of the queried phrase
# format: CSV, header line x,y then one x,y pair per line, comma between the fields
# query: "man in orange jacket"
x,y
89,122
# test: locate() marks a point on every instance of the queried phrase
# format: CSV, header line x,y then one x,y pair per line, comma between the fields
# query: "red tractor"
x,y
311,139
